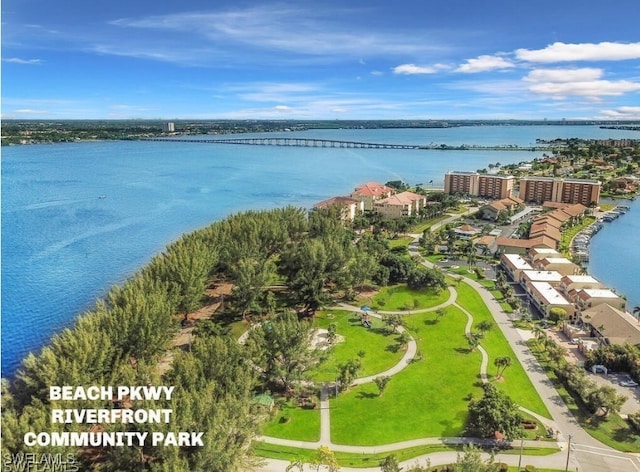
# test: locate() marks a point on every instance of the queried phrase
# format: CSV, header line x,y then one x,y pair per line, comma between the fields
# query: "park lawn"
x,y
402,241
360,460
427,399
381,349
302,425
516,382
425,225
402,298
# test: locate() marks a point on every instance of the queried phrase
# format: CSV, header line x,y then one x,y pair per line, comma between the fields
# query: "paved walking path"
x,y
596,456
593,455
325,406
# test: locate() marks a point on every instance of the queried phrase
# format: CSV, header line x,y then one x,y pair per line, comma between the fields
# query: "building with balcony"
x,y
538,190
479,185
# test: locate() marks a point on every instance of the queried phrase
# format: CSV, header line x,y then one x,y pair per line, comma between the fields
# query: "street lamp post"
x,y
520,459
566,468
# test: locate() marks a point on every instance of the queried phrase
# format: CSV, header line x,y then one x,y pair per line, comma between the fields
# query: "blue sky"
x,y
402,59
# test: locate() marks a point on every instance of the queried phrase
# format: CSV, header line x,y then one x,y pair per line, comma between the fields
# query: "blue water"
x,y
615,254
63,246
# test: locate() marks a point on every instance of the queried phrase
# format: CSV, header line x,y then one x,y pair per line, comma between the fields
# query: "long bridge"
x,y
331,143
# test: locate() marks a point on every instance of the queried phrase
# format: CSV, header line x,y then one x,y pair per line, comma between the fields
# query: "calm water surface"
x,y
78,218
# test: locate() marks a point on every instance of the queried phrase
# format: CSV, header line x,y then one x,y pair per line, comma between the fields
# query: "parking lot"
x,y
632,405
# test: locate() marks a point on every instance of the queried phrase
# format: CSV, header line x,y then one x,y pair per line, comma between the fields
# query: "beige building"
x,y
349,207
370,192
514,264
586,298
559,264
572,283
527,277
404,204
548,189
479,185
612,325
522,246
545,296
538,253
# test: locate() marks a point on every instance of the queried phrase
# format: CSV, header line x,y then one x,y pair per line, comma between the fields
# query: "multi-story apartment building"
x,y
543,189
479,185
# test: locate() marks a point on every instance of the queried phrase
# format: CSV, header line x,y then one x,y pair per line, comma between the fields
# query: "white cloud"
x,y
30,111
562,52
590,89
18,60
273,92
622,113
484,63
581,82
564,75
411,69
289,28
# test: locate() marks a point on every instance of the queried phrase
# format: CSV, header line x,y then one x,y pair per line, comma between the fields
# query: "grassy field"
x,y
401,297
516,383
427,399
402,241
381,350
292,422
346,459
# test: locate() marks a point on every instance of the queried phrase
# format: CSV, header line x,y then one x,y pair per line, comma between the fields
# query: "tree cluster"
x,y
600,400
616,357
494,412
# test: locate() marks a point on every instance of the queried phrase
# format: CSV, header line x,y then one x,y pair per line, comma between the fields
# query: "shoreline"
x,y
601,253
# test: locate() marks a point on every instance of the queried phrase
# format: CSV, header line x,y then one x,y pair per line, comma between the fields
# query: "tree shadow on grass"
x,y
366,396
627,435
430,322
393,348
462,350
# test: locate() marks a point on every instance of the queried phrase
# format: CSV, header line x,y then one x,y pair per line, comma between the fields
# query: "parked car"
x,y
628,382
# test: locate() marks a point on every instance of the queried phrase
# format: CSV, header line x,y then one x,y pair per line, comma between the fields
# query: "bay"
x,y
78,218
614,254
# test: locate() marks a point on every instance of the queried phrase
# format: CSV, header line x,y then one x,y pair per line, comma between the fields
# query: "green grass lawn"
x,y
301,424
402,241
346,459
401,297
425,225
381,350
427,399
516,383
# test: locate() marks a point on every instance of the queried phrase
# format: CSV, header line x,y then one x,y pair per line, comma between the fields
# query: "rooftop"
x,y
516,261
587,293
548,295
618,326
542,275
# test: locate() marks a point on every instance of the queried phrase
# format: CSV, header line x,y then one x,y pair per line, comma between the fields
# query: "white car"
x,y
628,382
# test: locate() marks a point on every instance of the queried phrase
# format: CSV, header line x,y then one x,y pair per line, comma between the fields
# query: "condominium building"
x,y
369,192
479,185
543,189
400,205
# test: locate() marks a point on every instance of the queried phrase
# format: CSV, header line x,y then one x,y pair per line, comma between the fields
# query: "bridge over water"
x,y
331,143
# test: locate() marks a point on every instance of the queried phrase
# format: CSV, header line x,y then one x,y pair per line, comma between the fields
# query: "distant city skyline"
x,y
409,59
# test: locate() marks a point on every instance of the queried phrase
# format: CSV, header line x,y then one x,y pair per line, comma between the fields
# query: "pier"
x,y
331,143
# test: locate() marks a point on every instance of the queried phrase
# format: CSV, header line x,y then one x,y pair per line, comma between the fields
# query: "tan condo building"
x,y
549,189
479,185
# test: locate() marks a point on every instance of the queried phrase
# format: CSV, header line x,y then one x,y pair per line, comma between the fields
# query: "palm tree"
x,y
502,363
